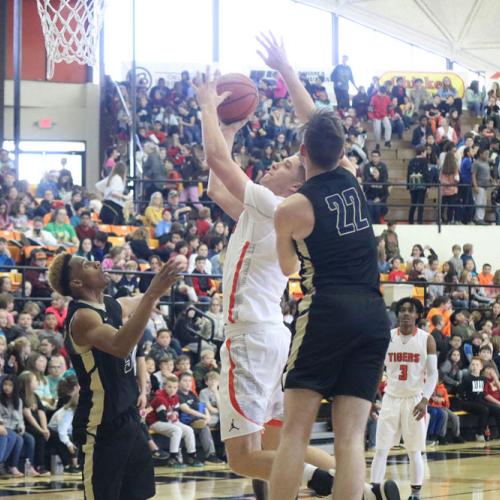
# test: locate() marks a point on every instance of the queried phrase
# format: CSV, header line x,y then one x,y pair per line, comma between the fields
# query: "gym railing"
x,y
436,205
169,300
166,300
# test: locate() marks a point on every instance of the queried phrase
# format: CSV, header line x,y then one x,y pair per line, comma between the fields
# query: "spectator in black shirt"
x,y
491,111
399,91
360,103
471,392
421,132
417,179
376,194
441,340
433,113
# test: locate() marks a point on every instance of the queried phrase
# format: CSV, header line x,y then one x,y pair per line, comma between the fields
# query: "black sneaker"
x,y
387,490
459,440
387,144
160,454
192,461
260,488
321,482
214,459
69,469
4,473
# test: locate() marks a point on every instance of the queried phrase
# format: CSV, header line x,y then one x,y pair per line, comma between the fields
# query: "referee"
x,y
117,460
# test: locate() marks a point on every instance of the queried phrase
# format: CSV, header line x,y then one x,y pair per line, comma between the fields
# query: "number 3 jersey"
x,y
405,364
341,252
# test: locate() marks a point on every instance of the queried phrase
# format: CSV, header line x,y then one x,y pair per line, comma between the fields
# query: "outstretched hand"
x,y
206,90
276,57
165,278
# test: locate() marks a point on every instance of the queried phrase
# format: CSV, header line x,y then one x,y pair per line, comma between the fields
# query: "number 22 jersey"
x,y
405,364
341,252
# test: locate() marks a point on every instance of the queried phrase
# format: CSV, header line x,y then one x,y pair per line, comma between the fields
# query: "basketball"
x,y
243,99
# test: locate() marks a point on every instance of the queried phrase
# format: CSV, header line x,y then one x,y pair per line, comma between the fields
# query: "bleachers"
x,y
396,159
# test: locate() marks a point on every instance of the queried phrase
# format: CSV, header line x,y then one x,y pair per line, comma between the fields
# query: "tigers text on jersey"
x,y
405,364
252,278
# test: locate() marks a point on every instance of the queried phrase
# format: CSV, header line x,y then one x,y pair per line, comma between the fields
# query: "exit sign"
x,y
45,123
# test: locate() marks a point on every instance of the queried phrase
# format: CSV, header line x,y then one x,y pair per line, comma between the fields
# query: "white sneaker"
x,y
480,438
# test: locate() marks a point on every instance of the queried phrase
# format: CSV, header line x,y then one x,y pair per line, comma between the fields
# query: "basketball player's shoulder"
x,y
394,333
297,212
422,333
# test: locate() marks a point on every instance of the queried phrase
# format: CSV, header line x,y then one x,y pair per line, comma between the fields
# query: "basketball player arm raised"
x,y
88,329
216,151
216,189
277,59
431,379
293,220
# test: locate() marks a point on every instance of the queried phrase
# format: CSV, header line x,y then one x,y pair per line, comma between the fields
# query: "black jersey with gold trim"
x,y
108,385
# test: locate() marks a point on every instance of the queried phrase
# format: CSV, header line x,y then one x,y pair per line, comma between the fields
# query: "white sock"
x,y
378,466
416,468
308,473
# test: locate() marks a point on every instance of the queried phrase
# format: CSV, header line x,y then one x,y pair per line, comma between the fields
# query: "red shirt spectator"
x,y
380,107
59,312
491,389
162,401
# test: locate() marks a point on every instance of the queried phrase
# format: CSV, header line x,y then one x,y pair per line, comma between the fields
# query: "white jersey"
x,y
252,278
405,364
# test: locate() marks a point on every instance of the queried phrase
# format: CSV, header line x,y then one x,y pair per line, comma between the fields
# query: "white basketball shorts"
x,y
253,360
396,419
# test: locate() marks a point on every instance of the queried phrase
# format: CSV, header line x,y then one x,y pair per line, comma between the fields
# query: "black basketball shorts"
x,y
339,345
117,461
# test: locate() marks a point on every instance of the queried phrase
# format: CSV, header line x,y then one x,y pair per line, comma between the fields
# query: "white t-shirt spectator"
x,y
115,188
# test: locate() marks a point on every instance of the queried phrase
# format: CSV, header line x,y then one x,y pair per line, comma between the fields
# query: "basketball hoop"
x,y
71,30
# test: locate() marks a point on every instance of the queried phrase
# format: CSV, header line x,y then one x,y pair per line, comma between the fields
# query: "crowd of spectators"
x,y
169,130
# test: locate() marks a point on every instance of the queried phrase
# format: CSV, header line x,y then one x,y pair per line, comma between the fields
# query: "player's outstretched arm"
x,y
276,59
216,189
218,157
87,328
348,165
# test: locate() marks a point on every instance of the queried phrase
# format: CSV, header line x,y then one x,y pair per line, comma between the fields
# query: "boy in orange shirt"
x,y
485,277
440,399
442,306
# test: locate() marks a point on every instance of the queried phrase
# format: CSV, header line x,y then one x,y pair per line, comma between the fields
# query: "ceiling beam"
x,y
481,45
469,20
432,18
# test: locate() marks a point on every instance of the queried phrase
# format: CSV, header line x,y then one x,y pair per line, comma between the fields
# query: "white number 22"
x,y
347,206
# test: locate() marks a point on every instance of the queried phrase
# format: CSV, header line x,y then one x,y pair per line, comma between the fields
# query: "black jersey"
x,y
108,386
341,251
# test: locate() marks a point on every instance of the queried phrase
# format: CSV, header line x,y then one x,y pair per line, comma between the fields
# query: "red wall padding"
x,y
33,52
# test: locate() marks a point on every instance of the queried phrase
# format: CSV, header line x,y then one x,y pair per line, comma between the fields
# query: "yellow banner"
x,y
433,80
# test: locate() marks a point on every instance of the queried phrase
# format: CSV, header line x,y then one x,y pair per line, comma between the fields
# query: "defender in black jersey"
x,y
117,460
342,330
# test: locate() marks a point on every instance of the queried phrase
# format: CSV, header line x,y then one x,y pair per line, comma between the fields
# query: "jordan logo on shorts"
x,y
233,427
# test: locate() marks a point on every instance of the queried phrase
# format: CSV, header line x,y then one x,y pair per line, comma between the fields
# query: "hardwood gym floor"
x,y
468,471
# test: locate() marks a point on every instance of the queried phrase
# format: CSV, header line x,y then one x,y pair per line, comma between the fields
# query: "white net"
x,y
71,30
